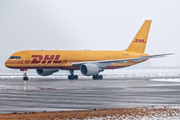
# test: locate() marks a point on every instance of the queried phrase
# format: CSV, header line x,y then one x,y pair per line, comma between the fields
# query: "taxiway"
x,y
38,95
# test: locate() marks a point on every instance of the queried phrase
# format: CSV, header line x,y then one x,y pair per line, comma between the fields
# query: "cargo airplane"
x,y
90,63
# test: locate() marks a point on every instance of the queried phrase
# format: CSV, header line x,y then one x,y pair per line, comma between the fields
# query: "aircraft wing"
x,y
104,63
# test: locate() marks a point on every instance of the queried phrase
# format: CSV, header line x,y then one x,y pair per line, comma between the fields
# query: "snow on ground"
x,y
151,113
119,73
31,77
166,80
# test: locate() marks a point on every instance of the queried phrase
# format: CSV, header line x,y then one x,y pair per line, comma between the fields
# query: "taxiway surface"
x,y
85,94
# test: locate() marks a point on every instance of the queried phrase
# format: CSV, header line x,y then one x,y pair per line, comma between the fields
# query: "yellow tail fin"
x,y
139,42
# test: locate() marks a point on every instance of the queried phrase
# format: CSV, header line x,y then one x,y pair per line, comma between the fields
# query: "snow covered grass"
x,y
119,73
125,75
146,113
151,113
166,80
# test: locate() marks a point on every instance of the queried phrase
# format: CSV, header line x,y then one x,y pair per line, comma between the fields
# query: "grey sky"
x,y
89,24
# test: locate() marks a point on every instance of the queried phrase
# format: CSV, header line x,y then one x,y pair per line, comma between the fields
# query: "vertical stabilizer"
x,y
139,42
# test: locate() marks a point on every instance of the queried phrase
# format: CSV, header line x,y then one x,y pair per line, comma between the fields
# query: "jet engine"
x,y
90,69
46,72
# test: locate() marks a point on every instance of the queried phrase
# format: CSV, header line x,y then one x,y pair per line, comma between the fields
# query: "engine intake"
x,y
90,69
46,72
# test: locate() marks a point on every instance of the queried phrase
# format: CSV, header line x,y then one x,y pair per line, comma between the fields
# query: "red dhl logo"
x,y
47,59
139,41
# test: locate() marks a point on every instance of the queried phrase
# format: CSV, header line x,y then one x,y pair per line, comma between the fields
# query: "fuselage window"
x,y
15,57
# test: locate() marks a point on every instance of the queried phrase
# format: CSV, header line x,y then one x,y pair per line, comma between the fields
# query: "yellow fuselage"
x,y
41,59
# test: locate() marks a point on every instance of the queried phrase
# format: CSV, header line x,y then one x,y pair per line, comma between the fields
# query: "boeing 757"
x,y
90,63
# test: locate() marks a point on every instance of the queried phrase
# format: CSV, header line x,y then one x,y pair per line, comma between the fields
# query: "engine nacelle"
x,y
46,72
89,69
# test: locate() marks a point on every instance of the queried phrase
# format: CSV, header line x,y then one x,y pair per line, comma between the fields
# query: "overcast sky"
x,y
89,24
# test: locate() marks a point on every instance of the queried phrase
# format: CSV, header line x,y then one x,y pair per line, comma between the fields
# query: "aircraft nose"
x,y
13,63
7,63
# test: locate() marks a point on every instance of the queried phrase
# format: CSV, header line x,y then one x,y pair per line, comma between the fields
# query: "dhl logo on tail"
x,y
139,41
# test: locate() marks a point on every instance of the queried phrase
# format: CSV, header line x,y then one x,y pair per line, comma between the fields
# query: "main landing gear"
x,y
96,77
72,76
25,78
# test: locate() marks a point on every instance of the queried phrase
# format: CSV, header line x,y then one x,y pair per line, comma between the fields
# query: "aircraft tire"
x,y
94,77
69,77
97,77
100,77
25,78
76,77
72,77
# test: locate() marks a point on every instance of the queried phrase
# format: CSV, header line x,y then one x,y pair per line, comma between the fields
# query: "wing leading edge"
x,y
104,63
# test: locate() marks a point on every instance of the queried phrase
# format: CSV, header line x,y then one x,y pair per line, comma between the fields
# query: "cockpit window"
x,y
15,57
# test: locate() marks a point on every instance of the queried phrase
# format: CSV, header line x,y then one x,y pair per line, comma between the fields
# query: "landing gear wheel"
x,y
72,77
96,77
76,77
100,77
25,78
69,77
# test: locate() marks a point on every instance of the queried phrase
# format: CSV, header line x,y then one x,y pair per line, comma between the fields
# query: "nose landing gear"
x,y
25,78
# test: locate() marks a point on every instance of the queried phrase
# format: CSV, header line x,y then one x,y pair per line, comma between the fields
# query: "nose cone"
x,y
7,63
13,63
